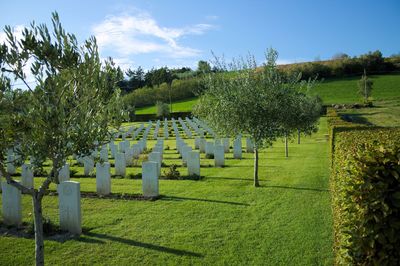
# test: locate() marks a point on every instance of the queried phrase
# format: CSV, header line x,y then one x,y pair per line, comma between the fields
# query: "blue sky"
x,y
155,33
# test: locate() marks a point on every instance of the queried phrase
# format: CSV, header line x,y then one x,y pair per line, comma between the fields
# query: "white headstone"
x,y
113,149
129,156
156,157
63,174
27,176
10,164
197,143
150,179
185,153
120,164
193,163
202,145
69,196
104,154
225,142
249,145
103,178
219,155
88,165
237,148
209,148
11,204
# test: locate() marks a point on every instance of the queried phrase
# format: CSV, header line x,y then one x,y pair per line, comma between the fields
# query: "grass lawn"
x,y
332,91
180,106
221,219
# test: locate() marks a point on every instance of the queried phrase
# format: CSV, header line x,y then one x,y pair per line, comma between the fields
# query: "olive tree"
x,y
251,101
73,104
365,87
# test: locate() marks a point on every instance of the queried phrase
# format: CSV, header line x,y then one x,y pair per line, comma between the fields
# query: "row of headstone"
x,y
166,131
155,135
190,158
199,131
185,128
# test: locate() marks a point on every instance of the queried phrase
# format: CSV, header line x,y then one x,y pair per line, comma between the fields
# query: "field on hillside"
x,y
221,219
335,91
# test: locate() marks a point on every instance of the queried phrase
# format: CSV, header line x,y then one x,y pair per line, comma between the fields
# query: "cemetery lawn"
x,y
179,106
221,219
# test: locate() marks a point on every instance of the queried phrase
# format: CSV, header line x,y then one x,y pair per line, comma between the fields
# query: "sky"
x,y
156,33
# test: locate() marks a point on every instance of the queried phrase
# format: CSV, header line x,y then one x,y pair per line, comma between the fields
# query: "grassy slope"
x,y
180,106
386,87
219,220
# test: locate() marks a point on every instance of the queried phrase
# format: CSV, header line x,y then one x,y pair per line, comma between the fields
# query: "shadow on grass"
x,y
298,188
99,238
174,198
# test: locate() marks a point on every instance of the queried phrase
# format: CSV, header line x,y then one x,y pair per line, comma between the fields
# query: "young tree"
x,y
162,109
74,103
251,102
365,87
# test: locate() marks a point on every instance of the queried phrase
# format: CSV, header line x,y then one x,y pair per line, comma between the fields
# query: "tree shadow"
x,y
297,188
99,238
174,198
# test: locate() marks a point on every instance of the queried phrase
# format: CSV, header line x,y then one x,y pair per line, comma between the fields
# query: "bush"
x,y
172,172
365,186
162,109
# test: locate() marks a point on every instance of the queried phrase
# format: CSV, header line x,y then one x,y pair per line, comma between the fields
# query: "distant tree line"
x,y
342,65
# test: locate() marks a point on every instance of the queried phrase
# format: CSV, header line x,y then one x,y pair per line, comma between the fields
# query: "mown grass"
x,y
219,220
332,91
179,106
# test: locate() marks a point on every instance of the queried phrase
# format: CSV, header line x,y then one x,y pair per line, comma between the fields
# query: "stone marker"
x,y
237,148
219,154
104,154
63,174
202,145
88,165
156,157
209,148
249,145
27,175
185,153
113,149
103,178
11,204
197,143
150,179
225,142
69,196
129,156
10,164
193,163
120,164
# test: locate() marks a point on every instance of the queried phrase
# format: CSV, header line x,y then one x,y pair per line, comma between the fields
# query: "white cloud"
x,y
139,33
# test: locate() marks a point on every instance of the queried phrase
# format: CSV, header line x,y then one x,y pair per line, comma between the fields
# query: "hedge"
x,y
365,189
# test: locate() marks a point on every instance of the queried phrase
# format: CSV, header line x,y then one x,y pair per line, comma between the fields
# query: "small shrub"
x,y
134,176
209,156
193,177
172,172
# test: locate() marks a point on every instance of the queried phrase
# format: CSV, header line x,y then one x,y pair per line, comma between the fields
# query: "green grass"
x,y
333,91
180,106
220,220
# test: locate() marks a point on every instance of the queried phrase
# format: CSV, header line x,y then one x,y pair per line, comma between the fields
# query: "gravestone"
x,y
225,142
156,157
10,164
209,148
197,143
104,154
219,156
249,145
27,175
120,164
113,149
11,204
63,174
129,156
237,148
69,196
202,145
103,178
88,165
185,153
150,179
193,163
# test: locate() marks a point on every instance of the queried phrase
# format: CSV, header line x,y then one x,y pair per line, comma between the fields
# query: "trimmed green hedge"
x,y
365,189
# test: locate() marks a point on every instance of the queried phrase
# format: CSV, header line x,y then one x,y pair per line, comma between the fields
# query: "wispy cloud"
x,y
139,33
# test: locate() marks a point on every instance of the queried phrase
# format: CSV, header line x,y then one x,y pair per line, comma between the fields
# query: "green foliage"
x,y
162,109
203,67
365,187
172,172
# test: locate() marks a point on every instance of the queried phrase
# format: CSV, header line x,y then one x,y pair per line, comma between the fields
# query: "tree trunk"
x,y
298,136
286,145
256,183
39,242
